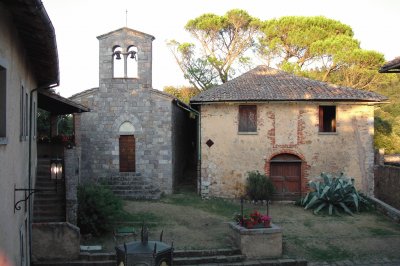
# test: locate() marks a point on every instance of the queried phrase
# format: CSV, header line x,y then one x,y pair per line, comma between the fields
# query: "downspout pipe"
x,y
196,113
30,136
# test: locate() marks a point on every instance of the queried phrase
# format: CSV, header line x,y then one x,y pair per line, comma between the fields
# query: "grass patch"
x,y
308,223
329,253
138,218
218,206
380,231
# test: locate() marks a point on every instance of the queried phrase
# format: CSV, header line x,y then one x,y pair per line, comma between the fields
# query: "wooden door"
x,y
286,177
127,153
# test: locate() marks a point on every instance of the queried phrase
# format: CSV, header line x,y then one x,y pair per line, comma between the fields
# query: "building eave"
x,y
38,37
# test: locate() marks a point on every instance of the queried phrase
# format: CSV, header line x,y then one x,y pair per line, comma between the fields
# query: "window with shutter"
x,y
247,118
327,118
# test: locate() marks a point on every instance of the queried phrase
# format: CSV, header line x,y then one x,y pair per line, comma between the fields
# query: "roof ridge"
x,y
264,83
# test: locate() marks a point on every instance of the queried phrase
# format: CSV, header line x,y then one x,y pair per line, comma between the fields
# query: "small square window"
x,y
327,118
247,118
210,143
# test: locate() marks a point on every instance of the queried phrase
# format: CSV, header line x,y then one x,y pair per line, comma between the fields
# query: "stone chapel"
x,y
135,139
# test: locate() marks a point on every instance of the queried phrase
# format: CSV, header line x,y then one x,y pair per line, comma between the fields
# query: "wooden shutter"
x,y
127,153
247,118
327,118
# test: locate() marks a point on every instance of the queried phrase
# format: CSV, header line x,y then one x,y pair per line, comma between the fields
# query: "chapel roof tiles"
x,y
268,84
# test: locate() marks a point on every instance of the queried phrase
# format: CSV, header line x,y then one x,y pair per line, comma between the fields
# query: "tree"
x,y
64,124
43,124
223,41
196,70
290,39
387,118
182,93
320,48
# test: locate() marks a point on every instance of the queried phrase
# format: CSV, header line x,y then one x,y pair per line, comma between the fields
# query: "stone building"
x,y
135,137
289,127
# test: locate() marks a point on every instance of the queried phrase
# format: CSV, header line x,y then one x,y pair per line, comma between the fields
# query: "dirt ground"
x,y
305,235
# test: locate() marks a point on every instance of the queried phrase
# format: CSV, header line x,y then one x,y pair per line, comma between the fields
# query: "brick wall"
x,y
387,184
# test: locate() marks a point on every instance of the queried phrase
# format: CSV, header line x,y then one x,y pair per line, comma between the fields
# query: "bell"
x,y
118,55
133,54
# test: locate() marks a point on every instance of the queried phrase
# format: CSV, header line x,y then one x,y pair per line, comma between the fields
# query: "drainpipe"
x,y
30,207
196,113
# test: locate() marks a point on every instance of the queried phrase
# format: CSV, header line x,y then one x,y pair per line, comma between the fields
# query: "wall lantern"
x,y
56,172
56,169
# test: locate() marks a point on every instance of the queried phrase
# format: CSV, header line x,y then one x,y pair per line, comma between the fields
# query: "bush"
x,y
333,192
259,186
98,208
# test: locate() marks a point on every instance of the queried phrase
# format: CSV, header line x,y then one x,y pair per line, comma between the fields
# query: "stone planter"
x,y
258,243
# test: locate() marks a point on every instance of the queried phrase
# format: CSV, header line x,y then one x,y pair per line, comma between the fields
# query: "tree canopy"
x,y
320,48
182,93
223,42
292,38
315,47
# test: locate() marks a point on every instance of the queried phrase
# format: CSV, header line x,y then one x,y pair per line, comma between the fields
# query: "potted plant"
x,y
254,220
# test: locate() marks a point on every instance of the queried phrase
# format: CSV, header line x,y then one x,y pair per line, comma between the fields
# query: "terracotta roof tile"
x,y
268,84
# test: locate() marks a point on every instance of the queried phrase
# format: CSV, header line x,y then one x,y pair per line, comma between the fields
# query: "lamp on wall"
x,y
56,172
56,169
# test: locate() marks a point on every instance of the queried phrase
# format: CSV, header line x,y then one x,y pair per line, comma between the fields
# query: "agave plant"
x,y
334,192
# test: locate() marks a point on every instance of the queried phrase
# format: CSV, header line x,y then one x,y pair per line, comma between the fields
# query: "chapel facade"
x,y
135,137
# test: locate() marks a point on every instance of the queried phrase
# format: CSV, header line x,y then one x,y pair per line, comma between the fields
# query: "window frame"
x,y
3,103
243,123
327,113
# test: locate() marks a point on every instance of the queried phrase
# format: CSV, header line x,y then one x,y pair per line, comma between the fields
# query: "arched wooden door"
x,y
285,173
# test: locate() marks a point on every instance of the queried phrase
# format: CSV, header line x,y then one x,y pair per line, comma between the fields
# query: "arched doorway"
x,y
285,173
127,146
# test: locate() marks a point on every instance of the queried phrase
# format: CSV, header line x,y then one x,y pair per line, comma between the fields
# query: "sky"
x,y
78,22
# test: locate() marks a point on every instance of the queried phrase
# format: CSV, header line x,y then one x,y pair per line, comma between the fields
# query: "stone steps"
x,y
216,256
76,263
131,186
49,205
227,257
200,253
219,259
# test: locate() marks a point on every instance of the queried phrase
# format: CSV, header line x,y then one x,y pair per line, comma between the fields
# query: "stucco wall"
x,y
285,128
13,149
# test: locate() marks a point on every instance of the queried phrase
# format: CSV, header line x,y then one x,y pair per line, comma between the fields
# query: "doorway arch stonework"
x,y
287,171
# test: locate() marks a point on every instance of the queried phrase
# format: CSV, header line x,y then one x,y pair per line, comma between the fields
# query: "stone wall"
x,y
71,166
131,100
387,184
150,113
285,128
55,241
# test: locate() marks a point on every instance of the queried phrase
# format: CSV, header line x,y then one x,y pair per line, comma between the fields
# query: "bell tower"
x,y
125,57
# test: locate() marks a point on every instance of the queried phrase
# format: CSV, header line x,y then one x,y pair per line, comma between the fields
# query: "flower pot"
x,y
249,225
267,224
